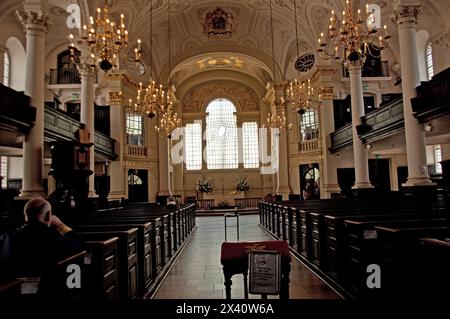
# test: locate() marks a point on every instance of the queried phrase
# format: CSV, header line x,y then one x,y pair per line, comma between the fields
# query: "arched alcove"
x,y
17,57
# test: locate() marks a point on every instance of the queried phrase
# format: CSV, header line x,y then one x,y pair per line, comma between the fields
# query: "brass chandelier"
x,y
356,36
277,116
152,99
106,42
300,94
168,120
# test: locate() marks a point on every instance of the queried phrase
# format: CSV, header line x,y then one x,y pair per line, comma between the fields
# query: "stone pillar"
x,y
441,51
117,173
34,20
87,115
359,151
406,18
163,162
329,166
283,164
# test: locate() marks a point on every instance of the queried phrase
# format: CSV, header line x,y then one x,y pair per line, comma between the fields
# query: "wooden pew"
x,y
400,257
127,258
101,277
363,248
435,262
10,289
144,248
334,252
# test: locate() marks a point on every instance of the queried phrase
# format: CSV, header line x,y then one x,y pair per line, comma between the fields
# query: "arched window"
x,y
429,61
67,70
135,129
6,69
221,135
309,125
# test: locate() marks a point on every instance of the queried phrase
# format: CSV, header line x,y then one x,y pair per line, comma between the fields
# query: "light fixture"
x,y
428,127
301,95
369,146
168,120
152,99
106,42
277,116
356,37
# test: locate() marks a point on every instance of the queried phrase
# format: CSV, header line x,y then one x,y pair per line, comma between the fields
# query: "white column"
x,y
283,169
329,167
87,116
406,18
34,20
118,180
359,151
163,163
282,177
441,52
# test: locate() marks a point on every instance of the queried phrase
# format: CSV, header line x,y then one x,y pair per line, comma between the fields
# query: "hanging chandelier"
x,y
302,96
152,100
277,116
168,120
356,36
106,41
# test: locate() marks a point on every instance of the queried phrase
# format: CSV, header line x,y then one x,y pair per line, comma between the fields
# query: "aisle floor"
x,y
197,273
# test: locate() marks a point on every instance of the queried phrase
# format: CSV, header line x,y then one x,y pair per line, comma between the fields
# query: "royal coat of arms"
x,y
219,24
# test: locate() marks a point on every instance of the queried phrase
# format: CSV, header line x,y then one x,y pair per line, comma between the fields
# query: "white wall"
x,y
15,167
422,38
17,64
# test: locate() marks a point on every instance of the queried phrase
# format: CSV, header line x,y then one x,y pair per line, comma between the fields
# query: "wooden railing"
x,y
341,138
248,203
67,76
136,151
60,126
309,146
204,204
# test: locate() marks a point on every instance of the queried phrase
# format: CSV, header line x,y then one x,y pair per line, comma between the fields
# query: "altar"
x,y
221,198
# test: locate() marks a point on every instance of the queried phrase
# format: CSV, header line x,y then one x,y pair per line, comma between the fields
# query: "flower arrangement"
x,y
204,185
242,184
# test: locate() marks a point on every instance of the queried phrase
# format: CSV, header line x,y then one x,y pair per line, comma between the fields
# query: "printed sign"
x,y
264,272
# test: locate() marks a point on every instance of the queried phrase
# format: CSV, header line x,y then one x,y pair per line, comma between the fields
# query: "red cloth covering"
x,y
233,251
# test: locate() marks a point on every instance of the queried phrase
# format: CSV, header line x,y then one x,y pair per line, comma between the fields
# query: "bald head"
x,y
38,210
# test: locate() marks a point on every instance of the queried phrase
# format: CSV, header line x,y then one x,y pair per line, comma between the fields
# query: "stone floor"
x,y
197,273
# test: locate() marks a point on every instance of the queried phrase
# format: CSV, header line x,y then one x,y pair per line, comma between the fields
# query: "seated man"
x,y
172,203
34,248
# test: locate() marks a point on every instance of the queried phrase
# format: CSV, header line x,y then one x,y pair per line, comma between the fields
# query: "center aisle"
x,y
197,274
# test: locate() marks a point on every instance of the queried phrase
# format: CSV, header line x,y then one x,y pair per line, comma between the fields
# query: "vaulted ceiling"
x,y
250,41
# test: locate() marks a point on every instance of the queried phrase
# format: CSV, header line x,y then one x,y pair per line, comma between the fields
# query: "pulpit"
x,y
234,259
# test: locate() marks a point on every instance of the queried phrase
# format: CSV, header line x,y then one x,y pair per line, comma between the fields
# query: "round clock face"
x,y
305,62
140,69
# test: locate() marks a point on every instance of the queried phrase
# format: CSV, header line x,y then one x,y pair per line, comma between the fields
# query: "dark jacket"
x,y
33,249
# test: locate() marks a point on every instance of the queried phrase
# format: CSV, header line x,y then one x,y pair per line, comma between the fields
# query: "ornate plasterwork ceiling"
x,y
219,62
251,34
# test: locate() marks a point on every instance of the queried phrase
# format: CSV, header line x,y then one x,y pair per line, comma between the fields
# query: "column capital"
x,y
34,23
406,14
87,72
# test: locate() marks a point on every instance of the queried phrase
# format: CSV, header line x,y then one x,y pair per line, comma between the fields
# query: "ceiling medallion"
x,y
305,62
219,24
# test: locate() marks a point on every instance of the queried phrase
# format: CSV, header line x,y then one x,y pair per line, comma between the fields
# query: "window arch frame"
x,y
315,131
229,160
6,69
429,65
